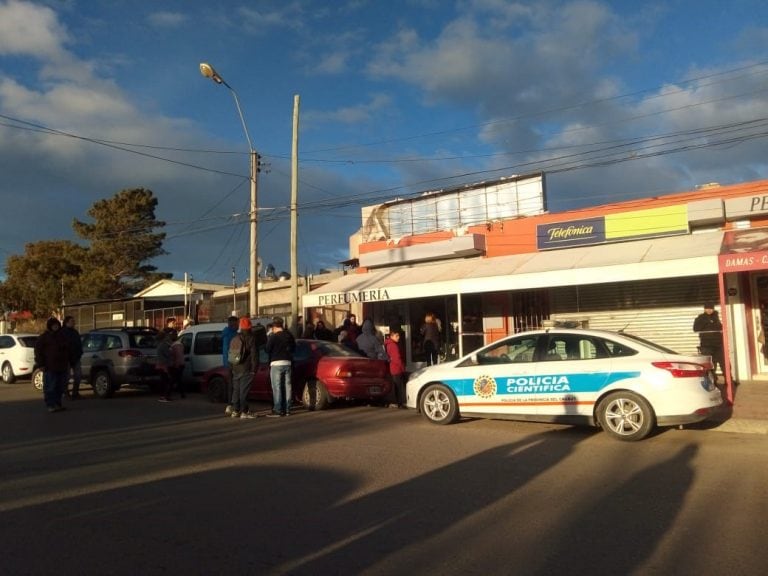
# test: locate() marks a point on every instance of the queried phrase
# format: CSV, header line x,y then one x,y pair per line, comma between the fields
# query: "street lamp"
x,y
208,71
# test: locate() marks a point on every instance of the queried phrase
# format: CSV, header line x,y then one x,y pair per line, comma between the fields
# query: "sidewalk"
x,y
749,413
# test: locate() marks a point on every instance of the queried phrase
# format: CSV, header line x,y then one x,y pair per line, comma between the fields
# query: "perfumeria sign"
x,y
335,298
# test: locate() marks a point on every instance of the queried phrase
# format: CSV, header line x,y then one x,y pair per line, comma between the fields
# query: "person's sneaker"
x,y
234,414
228,410
52,409
247,415
163,399
274,414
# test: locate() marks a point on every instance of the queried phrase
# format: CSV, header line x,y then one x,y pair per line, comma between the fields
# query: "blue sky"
x,y
613,100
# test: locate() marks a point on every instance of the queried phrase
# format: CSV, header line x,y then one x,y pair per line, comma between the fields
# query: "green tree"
x,y
34,280
122,240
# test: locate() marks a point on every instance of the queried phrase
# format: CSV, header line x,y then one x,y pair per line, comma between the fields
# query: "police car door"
x,y
496,370
572,369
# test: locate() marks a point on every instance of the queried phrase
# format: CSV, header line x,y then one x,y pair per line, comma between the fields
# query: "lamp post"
x,y
253,305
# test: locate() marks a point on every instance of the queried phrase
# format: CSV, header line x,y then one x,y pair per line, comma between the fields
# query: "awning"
x,y
669,257
744,250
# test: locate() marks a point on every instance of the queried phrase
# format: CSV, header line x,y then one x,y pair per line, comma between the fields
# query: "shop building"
x,y
489,260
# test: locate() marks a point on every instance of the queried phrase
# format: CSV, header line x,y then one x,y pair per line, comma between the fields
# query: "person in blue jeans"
x,y
227,333
52,355
280,348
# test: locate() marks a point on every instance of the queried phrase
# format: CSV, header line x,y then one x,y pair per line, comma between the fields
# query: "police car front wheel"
x,y
439,405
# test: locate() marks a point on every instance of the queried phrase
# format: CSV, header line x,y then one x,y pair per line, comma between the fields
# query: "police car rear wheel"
x,y
439,405
626,416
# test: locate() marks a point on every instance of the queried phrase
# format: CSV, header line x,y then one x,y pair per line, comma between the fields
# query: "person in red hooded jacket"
x,y
396,367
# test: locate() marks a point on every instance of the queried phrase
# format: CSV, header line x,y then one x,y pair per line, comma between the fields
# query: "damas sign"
x,y
373,295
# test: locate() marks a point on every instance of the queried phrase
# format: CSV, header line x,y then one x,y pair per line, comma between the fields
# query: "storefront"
x,y
743,273
651,287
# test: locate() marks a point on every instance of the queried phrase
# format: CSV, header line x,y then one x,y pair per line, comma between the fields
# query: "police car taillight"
x,y
682,369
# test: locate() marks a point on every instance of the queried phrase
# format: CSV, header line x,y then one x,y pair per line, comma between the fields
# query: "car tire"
x,y
102,384
8,376
37,379
439,405
217,389
315,396
626,416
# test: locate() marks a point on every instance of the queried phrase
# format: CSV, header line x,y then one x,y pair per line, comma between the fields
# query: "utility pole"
x,y
294,195
234,293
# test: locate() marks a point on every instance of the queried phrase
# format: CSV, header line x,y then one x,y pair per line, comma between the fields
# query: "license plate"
x,y
374,389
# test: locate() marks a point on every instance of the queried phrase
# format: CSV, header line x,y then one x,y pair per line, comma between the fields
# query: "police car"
x,y
622,383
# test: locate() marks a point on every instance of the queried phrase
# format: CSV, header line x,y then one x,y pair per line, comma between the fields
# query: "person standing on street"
x,y
177,367
710,330
170,327
280,348
226,337
164,365
75,354
396,367
52,355
323,333
430,331
244,361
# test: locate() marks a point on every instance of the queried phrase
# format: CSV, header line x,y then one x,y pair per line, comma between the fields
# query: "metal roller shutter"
x,y
662,311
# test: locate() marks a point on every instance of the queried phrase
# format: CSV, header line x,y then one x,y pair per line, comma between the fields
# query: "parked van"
x,y
203,348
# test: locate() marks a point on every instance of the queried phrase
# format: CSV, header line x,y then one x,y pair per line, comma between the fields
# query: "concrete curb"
x,y
741,426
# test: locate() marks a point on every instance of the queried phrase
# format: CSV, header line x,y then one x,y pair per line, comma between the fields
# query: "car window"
x,y
93,343
208,343
573,347
142,340
617,349
513,350
186,341
648,343
333,349
6,342
114,342
28,341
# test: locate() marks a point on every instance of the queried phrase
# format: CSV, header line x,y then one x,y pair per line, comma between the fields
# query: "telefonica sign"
x,y
373,295
634,225
573,233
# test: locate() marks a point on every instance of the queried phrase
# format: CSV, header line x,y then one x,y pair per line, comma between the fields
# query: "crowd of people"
x,y
58,353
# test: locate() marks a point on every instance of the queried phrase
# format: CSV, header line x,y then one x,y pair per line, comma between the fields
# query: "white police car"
x,y
624,384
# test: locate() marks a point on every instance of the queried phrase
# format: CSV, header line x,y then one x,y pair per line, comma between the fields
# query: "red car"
x,y
322,373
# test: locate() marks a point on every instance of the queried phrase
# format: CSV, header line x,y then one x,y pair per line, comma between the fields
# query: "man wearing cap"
x,y
243,371
710,330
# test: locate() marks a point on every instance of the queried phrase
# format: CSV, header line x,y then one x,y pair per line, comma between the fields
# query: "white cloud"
x,y
28,29
351,114
167,19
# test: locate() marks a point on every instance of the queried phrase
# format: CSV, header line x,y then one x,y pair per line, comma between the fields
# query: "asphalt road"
x,y
133,486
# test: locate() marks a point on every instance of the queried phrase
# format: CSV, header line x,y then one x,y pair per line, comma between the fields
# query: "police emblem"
x,y
484,386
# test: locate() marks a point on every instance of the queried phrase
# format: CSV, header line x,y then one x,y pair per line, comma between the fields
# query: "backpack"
x,y
236,352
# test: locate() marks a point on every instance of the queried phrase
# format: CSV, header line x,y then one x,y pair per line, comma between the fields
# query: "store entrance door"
x,y
759,286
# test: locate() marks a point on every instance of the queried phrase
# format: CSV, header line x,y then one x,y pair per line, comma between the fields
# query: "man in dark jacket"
x,y
280,348
52,355
75,354
710,330
244,370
